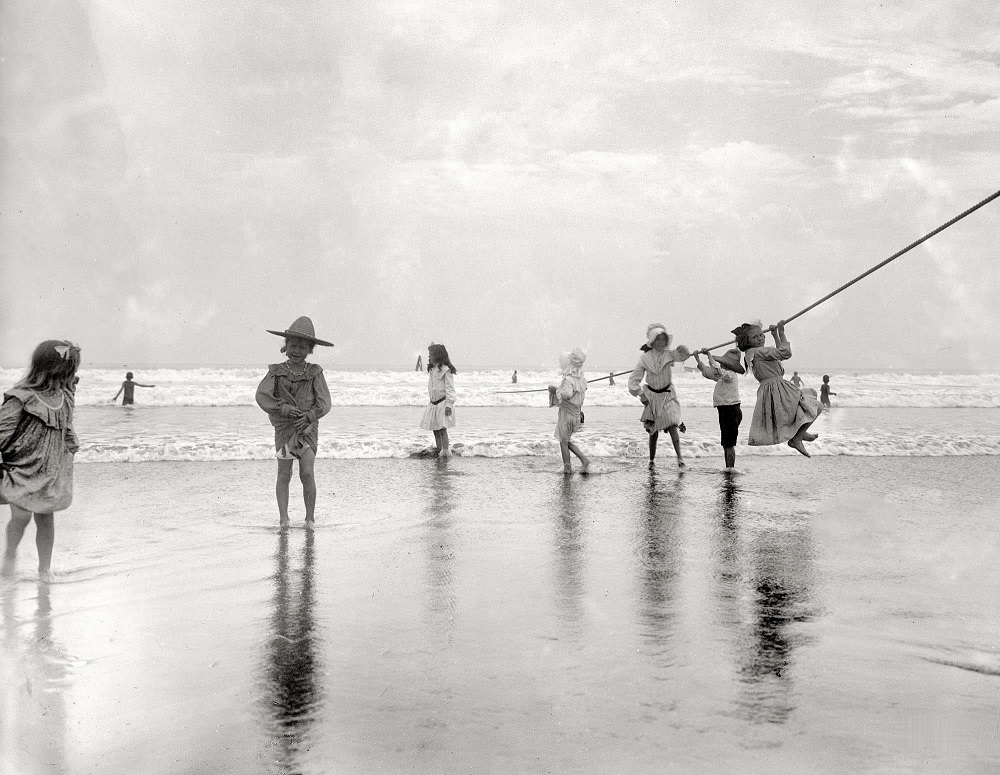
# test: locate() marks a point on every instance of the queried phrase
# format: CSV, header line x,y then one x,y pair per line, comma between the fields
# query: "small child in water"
x,y
37,444
128,388
439,415
824,391
662,410
569,395
295,396
783,412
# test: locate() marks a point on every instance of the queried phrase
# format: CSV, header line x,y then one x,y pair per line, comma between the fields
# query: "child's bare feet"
x,y
810,436
46,576
567,469
682,428
652,464
445,452
585,465
798,446
681,463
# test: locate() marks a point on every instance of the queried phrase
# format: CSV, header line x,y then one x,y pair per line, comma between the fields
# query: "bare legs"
x,y
45,536
442,443
306,466
675,438
802,435
730,455
565,447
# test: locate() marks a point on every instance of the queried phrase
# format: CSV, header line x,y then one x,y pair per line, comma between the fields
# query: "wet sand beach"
x,y
473,615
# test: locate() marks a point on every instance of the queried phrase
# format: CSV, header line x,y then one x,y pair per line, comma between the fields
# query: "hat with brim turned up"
x,y
731,360
302,328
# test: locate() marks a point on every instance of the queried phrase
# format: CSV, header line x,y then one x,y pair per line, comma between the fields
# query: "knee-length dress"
x,y
441,394
37,444
663,410
781,407
306,391
571,394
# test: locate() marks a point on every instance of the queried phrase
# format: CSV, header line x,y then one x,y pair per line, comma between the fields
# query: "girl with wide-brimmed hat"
x,y
295,395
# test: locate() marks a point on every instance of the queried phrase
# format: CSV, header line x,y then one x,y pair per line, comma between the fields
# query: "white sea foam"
x,y
236,387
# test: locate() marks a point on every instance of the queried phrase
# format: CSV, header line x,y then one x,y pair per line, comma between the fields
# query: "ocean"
x,y
487,614
210,414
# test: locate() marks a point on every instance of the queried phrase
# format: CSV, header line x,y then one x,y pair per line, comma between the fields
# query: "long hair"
x,y
53,366
437,355
743,333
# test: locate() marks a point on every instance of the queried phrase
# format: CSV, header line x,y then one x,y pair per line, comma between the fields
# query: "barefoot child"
x,y
439,415
783,411
725,397
569,396
295,395
37,444
662,410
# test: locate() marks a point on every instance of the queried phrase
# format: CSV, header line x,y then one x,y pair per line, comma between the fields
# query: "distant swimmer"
x,y
611,378
825,392
420,363
128,387
796,379
513,377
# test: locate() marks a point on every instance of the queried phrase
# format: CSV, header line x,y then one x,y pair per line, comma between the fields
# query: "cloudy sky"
x,y
510,178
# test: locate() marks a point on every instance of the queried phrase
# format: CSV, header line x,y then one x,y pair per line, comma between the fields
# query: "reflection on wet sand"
x,y
764,561
439,544
35,675
570,547
658,553
292,692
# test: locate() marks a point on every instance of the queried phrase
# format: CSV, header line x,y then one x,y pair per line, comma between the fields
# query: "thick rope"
x,y
875,268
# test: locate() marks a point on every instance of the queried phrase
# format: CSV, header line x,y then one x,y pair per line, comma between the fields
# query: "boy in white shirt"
x,y
726,397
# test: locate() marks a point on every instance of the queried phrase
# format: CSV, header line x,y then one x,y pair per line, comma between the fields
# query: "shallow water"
x,y
823,616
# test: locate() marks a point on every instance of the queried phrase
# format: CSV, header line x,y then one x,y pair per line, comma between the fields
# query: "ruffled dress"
x,y
663,410
441,394
37,443
306,391
570,394
781,407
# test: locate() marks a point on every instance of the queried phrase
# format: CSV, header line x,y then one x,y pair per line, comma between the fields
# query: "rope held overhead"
x,y
875,268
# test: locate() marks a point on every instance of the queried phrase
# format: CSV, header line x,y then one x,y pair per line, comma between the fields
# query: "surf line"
x,y
830,295
878,266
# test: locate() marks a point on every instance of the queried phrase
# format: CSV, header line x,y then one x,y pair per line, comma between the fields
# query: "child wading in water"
x,y
662,409
295,395
726,397
128,388
37,444
569,396
783,411
824,391
439,415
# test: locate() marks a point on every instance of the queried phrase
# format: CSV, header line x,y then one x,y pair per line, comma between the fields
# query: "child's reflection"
x,y
292,668
569,555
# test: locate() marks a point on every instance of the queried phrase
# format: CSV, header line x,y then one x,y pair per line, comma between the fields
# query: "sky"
x,y
512,179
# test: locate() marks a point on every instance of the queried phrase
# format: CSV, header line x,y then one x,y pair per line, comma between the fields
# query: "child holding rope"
x,y
569,396
439,415
725,397
783,411
662,410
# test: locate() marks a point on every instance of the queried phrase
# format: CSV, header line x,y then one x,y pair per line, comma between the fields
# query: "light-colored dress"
x,y
571,394
663,410
37,444
781,407
306,391
441,393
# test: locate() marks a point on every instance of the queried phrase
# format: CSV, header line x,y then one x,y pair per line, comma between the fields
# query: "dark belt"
x,y
435,403
661,390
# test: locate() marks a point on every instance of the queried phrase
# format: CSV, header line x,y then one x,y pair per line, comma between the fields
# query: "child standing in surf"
x,y
783,412
725,397
569,396
662,409
439,415
37,444
295,395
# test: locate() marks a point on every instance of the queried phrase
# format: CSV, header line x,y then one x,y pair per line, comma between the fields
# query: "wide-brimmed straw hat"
x,y
731,360
302,328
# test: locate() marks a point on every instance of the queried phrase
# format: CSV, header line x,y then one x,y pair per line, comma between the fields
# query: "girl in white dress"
x,y
569,396
439,415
